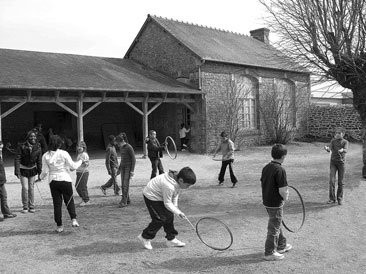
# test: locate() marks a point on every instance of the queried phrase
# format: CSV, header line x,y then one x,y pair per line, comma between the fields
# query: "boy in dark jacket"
x,y
3,195
154,152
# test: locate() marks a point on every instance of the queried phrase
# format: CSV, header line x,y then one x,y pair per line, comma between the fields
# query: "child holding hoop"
x,y
161,199
154,152
274,194
338,146
82,174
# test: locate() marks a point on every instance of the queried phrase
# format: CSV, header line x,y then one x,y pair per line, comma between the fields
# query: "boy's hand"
x,y
182,215
327,148
341,150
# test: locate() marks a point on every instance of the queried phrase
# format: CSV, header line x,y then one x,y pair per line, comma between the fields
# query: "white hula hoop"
x,y
175,154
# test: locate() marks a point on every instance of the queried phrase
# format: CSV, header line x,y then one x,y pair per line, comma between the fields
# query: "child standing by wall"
x,y
274,194
338,146
82,174
161,199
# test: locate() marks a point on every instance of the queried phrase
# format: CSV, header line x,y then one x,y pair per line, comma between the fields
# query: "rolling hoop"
x,y
170,147
292,209
213,233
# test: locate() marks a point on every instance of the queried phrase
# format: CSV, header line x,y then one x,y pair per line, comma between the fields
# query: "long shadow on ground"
x,y
104,247
206,263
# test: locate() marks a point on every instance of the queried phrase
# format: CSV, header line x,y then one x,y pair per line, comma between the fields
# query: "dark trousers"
x,y
156,165
112,182
160,217
4,201
81,185
125,184
183,142
334,168
275,239
223,169
62,190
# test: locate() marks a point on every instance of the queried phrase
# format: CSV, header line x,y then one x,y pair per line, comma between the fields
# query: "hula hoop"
x,y
217,223
217,159
294,230
174,153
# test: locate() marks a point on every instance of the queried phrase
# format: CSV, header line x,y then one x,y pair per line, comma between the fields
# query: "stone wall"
x,y
323,119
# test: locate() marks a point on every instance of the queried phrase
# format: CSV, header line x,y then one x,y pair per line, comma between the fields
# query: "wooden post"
x,y
145,124
80,119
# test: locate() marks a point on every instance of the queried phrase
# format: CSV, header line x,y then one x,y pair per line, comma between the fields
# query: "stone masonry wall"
x,y
323,120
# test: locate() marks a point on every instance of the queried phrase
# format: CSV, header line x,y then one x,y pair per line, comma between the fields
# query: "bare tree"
x,y
232,105
329,37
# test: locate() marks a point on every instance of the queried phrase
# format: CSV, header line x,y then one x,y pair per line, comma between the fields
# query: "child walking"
x,y
82,174
154,152
126,168
111,163
161,199
274,195
338,146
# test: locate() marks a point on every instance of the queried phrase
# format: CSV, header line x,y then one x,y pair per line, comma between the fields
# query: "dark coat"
x,y
154,149
28,155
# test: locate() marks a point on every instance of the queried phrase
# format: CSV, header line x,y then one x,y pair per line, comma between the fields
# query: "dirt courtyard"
x,y
331,241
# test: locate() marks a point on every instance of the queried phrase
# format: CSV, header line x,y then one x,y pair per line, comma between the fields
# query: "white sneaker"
x,y
175,242
82,204
287,248
59,229
74,223
275,256
145,242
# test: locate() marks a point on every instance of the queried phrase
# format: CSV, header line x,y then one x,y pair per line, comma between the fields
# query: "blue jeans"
x,y
27,192
125,184
275,239
334,168
4,201
156,165
224,164
81,185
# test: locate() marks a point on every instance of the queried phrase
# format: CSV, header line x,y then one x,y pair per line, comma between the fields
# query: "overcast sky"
x,y
108,27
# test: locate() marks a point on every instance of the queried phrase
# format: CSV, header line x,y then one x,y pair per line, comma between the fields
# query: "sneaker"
x,y
83,203
103,191
10,215
234,184
183,149
59,229
275,256
32,210
74,223
24,210
145,242
175,243
331,202
287,248
122,205
221,183
340,202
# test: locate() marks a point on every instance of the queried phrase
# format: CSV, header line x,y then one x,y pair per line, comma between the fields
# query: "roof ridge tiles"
x,y
199,25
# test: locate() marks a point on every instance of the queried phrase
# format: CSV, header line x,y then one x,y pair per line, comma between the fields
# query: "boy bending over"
x,y
161,199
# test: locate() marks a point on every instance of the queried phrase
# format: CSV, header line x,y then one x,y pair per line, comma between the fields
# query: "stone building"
x,y
215,61
173,72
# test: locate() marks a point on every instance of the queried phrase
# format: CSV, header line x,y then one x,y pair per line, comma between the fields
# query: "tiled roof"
x,y
42,70
224,46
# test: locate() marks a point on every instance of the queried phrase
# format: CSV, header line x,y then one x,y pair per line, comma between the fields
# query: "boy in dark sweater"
x,y
3,195
338,146
274,194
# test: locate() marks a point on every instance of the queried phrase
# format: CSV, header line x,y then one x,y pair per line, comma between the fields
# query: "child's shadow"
x,y
206,263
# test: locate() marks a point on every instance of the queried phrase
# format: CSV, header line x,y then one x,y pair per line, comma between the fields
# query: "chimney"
x,y
261,34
